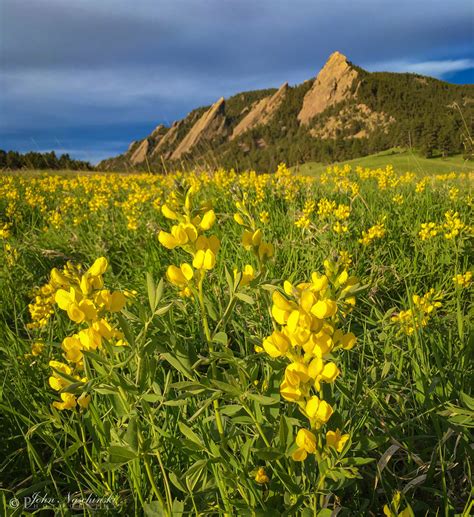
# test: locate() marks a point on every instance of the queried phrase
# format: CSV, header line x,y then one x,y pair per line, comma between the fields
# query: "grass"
x,y
401,160
183,416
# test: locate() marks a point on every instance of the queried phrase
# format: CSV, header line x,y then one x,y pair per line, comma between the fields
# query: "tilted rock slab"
x,y
332,85
210,125
169,138
262,112
140,152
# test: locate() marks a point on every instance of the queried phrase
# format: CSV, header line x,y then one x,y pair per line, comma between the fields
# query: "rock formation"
x,y
332,85
358,115
168,139
140,152
262,112
209,126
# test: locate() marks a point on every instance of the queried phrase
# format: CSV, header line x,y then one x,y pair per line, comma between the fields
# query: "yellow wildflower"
x,y
261,477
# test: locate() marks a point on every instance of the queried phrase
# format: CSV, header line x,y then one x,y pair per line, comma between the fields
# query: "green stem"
x,y
223,491
226,314
264,438
207,333
165,481
93,463
220,427
153,484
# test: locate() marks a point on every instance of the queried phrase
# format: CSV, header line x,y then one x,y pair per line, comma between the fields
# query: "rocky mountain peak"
x,y
332,85
210,125
261,112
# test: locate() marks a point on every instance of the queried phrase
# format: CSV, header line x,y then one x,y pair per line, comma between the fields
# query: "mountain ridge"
x,y
343,112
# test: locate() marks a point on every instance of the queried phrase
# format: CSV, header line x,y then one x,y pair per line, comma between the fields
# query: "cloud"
x,y
69,68
440,68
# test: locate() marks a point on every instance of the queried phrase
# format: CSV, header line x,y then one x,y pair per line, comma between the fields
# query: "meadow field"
x,y
401,159
221,344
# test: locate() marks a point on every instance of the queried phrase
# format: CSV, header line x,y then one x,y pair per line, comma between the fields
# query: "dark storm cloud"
x,y
106,63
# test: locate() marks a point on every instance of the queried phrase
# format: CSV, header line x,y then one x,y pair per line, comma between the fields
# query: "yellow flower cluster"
x,y
304,220
188,234
392,510
398,199
261,476
418,316
421,185
85,301
11,254
345,259
451,227
428,231
264,217
453,193
377,231
308,315
307,443
247,275
43,306
63,376
327,209
463,280
252,238
5,231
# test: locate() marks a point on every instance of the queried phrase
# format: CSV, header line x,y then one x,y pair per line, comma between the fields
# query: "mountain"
x,y
343,113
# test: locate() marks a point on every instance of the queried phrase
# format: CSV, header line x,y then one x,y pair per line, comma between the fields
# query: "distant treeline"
x,y
14,160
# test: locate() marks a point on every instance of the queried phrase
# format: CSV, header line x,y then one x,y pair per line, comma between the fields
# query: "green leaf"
x,y
163,310
325,512
150,284
175,402
154,509
467,400
245,298
227,388
176,363
106,390
231,409
127,331
262,399
357,461
73,387
229,280
187,386
190,434
121,454
152,397
118,405
386,369
131,435
211,311
204,405
159,292
221,338
268,453
245,449
285,433
100,359
194,472
176,482
178,508
269,287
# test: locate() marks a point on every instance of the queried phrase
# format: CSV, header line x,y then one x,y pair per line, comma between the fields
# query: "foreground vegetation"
x,y
237,344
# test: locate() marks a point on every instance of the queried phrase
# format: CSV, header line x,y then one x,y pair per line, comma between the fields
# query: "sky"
x,y
87,77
